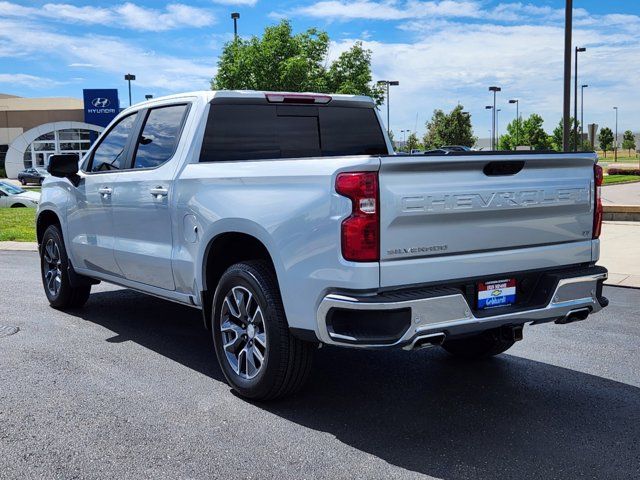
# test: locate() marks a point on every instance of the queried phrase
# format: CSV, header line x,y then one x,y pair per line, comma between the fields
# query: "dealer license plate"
x,y
498,293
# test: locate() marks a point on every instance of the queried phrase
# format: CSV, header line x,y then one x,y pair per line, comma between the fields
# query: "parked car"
x,y
456,148
15,197
32,175
286,219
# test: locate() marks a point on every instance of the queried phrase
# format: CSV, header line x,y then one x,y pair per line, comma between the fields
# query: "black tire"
x,y
18,205
23,181
40,181
483,345
287,359
64,296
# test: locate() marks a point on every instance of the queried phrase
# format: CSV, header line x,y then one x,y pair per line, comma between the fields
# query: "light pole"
x,y
615,139
235,16
493,140
575,98
566,100
498,128
388,83
517,102
129,77
490,107
582,87
148,96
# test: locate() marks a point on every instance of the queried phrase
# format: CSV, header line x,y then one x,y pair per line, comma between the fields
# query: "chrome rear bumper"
x,y
451,315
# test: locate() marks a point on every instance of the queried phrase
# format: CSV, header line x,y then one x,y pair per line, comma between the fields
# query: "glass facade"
x,y
61,141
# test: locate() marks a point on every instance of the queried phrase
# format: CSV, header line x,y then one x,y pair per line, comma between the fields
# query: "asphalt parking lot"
x,y
129,387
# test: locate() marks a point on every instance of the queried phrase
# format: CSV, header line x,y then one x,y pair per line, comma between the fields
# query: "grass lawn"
x,y
613,179
17,224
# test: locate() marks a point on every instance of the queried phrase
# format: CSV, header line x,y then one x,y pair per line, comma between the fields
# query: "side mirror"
x,y
64,166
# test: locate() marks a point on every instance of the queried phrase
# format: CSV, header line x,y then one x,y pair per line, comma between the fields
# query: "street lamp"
x,y
575,98
388,83
490,107
129,77
498,129
235,16
493,129
615,140
148,96
582,87
517,102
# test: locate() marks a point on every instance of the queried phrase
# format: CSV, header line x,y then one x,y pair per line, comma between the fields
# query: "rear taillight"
x,y
361,230
597,215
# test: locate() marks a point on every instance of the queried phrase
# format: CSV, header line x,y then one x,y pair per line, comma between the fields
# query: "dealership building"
x,y
33,129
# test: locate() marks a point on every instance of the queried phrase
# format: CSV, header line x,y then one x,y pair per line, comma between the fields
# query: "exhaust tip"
x,y
574,316
425,341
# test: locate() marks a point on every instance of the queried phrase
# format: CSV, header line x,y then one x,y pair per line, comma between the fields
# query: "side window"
x,y
159,137
109,155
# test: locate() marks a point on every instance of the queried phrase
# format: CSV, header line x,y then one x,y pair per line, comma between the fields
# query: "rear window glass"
x,y
251,132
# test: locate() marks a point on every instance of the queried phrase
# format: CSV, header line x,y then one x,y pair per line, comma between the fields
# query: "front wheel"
x,y
55,275
23,181
258,355
482,345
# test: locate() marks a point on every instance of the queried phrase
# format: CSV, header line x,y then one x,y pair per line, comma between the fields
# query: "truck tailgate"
x,y
468,206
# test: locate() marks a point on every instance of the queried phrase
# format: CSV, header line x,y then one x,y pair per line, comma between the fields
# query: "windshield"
x,y
10,189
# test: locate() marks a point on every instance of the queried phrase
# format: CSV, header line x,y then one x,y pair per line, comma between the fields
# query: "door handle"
x,y
105,191
159,192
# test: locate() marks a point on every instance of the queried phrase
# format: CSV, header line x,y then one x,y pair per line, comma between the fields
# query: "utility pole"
x,y
615,139
575,99
493,135
566,103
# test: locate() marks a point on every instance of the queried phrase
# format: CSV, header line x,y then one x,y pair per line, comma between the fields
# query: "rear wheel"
x,y
482,345
18,205
258,355
55,275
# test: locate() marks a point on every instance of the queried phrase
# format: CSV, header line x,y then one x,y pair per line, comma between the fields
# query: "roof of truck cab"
x,y
209,95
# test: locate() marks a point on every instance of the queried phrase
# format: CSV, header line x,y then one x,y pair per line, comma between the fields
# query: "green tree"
x,y
412,142
573,135
530,133
453,128
283,61
392,139
605,138
628,141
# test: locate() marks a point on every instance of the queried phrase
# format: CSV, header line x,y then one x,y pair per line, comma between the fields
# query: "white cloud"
x,y
246,3
111,55
451,61
81,65
30,81
388,10
128,15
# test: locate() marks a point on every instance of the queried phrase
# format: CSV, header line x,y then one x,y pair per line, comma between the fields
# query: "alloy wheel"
x,y
243,331
52,267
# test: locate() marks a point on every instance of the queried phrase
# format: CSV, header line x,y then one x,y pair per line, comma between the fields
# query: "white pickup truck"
x,y
288,220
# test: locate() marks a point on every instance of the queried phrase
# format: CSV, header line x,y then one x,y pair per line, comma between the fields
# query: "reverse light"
x,y
296,98
360,232
597,215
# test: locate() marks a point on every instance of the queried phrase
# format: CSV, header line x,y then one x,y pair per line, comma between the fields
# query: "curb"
x,y
626,213
19,246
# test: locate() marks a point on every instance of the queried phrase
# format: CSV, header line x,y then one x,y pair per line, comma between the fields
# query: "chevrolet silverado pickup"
x,y
290,223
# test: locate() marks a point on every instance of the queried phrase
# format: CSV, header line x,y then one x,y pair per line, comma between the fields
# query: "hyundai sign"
x,y
100,106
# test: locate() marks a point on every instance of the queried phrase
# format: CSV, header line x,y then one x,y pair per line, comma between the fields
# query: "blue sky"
x,y
442,52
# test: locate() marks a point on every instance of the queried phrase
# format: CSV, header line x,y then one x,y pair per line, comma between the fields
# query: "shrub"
x,y
623,171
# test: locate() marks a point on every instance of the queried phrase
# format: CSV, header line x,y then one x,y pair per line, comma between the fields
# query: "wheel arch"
x,y
222,251
45,219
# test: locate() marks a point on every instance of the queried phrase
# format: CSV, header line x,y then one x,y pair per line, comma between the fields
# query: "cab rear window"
x,y
253,132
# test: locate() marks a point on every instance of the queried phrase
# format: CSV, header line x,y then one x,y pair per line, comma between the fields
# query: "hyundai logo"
x,y
100,102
